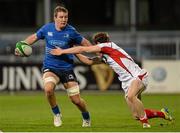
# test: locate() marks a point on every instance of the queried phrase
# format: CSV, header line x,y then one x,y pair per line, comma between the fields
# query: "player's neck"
x,y
58,28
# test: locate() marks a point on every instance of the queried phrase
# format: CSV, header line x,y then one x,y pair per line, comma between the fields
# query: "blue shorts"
x,y
65,76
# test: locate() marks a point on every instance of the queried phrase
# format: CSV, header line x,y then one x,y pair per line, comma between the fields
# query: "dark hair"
x,y
59,9
100,37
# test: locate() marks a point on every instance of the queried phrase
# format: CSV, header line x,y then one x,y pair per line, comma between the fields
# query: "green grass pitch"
x,y
30,112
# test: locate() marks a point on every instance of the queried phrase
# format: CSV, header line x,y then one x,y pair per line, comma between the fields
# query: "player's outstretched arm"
x,y
75,50
89,60
84,59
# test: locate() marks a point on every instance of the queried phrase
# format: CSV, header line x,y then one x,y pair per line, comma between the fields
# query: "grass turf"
x,y
30,112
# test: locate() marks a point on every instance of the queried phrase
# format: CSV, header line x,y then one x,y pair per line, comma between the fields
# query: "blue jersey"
x,y
63,39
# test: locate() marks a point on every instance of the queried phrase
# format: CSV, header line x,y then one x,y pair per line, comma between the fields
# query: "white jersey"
x,y
122,64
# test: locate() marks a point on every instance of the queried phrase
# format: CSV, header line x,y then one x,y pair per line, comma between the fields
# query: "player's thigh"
x,y
50,80
136,87
70,83
69,79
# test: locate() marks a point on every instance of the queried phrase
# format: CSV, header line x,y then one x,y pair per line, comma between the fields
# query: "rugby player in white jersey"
x,y
134,79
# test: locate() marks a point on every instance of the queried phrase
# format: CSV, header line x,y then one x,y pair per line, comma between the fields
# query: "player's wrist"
x,y
24,42
62,52
21,43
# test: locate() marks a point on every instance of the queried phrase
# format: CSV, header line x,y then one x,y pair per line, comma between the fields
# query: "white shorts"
x,y
143,76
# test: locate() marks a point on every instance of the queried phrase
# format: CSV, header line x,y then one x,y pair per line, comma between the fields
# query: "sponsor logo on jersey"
x,y
58,43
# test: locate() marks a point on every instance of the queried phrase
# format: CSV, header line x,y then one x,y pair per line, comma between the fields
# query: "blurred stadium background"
x,y
149,30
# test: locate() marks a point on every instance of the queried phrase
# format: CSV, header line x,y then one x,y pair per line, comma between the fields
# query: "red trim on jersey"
x,y
116,55
141,76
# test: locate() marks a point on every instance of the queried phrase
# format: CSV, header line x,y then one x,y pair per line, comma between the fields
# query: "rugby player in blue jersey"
x,y
60,68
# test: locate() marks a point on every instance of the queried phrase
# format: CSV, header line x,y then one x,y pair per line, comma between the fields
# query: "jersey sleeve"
x,y
41,32
77,37
101,45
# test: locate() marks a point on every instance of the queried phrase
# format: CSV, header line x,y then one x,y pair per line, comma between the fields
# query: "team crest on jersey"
x,y
66,35
50,34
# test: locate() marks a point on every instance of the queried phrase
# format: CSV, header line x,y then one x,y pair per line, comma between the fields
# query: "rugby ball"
x,y
24,49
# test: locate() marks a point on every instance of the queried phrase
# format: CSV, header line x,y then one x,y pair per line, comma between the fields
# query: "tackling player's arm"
x,y
84,59
76,50
89,60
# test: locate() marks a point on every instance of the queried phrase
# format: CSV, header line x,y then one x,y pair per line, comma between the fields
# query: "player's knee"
x,y
76,101
49,88
48,91
130,98
49,84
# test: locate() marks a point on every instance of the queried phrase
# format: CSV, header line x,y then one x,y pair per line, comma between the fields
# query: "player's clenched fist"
x,y
23,49
16,51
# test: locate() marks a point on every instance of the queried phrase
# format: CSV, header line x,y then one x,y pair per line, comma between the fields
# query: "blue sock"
x,y
86,115
56,110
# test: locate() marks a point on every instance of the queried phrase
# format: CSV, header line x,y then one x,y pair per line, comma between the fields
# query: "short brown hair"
x,y
59,9
101,37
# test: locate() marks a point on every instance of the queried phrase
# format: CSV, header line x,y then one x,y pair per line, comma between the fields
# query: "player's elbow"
x,y
89,63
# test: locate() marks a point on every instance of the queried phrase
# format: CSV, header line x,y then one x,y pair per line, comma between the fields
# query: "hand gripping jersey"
x,y
122,64
63,39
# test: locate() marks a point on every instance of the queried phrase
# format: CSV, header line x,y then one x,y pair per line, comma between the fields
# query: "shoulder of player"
x,y
70,27
47,26
106,44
